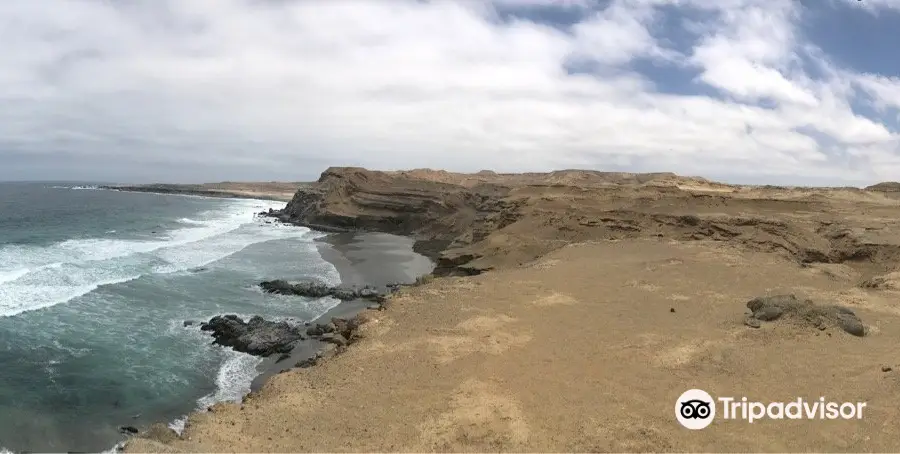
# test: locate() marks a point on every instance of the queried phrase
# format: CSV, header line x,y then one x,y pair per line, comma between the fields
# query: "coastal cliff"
x,y
471,223
447,213
443,217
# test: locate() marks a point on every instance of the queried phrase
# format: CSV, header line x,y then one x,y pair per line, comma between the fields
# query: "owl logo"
x,y
695,409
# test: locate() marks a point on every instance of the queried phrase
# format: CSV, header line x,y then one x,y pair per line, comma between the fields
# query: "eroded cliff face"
x,y
470,223
441,216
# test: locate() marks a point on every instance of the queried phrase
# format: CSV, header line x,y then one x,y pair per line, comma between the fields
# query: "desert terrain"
x,y
569,311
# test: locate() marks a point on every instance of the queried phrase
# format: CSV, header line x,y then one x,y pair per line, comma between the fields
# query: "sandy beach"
x,y
590,314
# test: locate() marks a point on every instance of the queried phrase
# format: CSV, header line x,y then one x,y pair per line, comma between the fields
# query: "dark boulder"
x,y
335,338
340,325
344,294
257,336
312,289
368,293
277,286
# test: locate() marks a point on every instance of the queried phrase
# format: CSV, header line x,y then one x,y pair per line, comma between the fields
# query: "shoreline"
x,y
191,190
361,258
350,254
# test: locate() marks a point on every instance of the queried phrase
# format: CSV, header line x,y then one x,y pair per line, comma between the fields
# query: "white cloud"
x,y
242,87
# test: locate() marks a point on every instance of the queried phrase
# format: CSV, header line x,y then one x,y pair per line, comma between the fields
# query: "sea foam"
x,y
39,277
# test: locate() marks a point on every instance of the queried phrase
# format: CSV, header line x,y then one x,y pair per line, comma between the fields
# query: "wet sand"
x,y
373,259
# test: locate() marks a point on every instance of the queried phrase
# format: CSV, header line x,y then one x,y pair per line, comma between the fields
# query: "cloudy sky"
x,y
768,91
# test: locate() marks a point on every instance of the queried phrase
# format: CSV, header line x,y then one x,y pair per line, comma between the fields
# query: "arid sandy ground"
x,y
602,305
272,190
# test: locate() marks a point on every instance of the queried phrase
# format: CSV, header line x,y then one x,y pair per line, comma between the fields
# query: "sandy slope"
x,y
571,343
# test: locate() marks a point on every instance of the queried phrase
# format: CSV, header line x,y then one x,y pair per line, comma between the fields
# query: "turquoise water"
x,y
94,288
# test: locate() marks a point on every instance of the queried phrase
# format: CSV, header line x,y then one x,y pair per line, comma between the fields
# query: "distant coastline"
x,y
282,192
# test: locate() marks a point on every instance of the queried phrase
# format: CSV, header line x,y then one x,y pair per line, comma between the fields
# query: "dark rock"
x,y
189,323
315,330
851,324
368,293
308,362
329,328
334,338
886,368
768,313
257,337
672,310
283,357
312,289
845,310
340,325
780,301
343,294
129,430
279,286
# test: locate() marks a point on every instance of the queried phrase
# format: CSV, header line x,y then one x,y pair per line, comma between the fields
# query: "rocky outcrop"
x,y
262,337
439,215
805,312
312,289
337,334
257,337
359,199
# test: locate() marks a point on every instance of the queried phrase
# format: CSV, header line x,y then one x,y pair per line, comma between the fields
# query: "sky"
x,y
747,91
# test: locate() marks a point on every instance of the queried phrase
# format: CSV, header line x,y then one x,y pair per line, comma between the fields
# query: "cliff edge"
x,y
441,213
471,223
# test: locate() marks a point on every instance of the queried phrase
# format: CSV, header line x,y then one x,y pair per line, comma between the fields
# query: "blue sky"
x,y
751,91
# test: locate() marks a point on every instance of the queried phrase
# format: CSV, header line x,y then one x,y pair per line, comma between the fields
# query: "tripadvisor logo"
x,y
695,409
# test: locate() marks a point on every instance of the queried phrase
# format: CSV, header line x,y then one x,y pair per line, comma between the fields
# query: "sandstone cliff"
x,y
469,223
439,214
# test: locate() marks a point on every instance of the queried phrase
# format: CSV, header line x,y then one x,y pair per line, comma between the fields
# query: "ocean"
x,y
95,287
